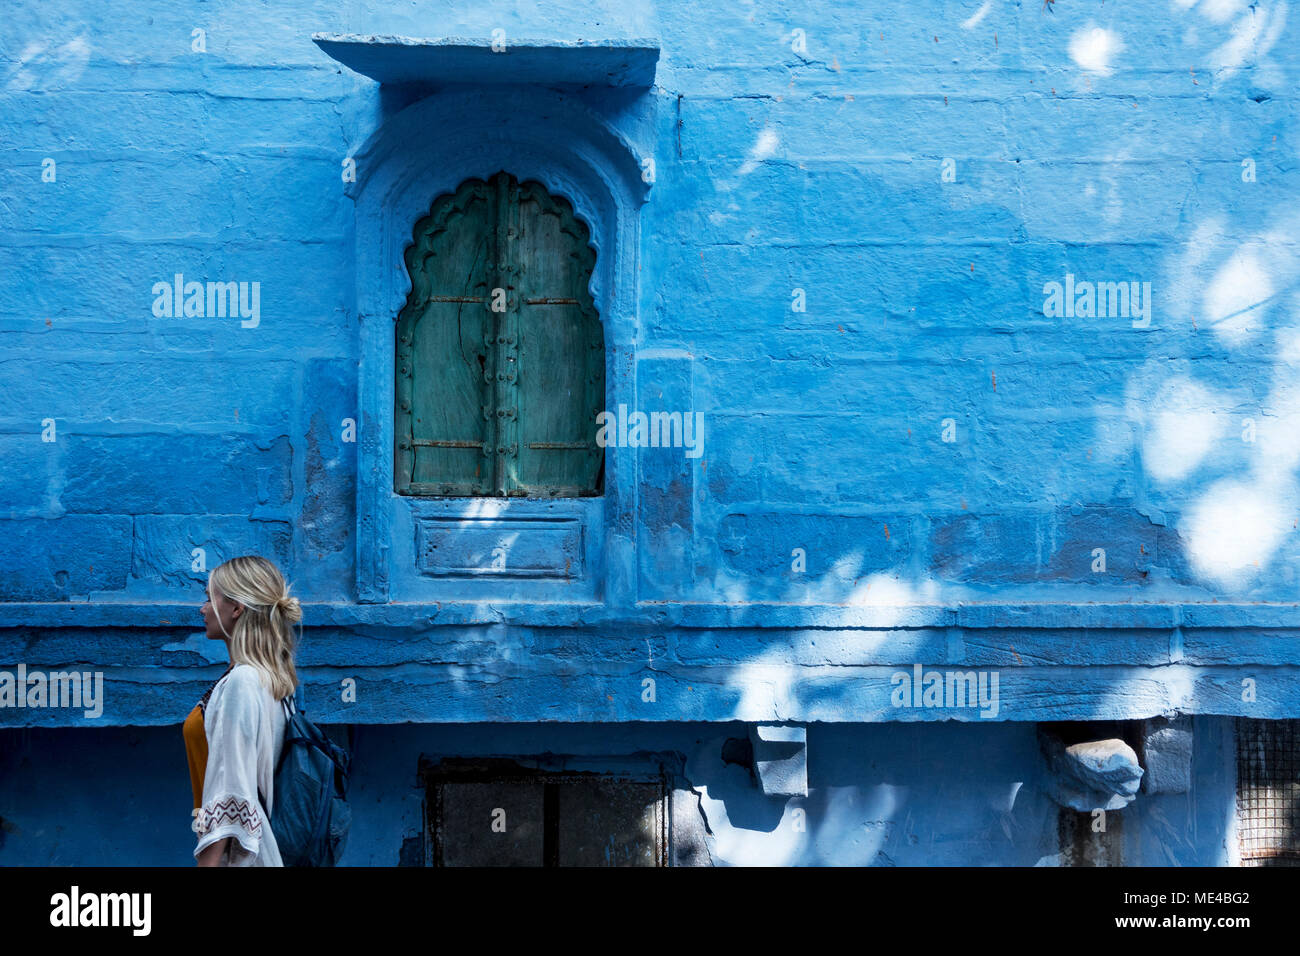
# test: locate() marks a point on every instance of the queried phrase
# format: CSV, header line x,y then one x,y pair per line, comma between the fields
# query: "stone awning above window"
x,y
504,59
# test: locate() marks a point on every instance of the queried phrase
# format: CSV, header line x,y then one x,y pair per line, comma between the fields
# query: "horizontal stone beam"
x,y
528,690
990,615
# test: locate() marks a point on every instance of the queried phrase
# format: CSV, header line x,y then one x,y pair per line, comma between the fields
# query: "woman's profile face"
x,y
218,604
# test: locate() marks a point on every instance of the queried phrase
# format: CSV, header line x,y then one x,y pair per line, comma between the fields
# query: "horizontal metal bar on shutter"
x,y
552,491
560,445
434,489
455,298
551,301
431,443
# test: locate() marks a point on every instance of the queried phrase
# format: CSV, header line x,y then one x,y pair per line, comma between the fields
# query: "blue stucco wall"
x,y
839,253
831,232
942,795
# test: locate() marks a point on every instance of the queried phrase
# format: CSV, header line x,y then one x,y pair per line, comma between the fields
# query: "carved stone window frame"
x,y
428,149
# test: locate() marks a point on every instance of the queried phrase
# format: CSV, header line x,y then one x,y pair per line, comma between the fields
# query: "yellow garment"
x,y
196,751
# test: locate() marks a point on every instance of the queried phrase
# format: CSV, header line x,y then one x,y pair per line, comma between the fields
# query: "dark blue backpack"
x,y
312,816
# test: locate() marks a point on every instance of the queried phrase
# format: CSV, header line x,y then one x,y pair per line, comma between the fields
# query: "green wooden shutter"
x,y
444,355
562,352
500,352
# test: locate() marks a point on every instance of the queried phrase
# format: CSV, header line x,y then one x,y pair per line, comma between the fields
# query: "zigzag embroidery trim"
x,y
229,810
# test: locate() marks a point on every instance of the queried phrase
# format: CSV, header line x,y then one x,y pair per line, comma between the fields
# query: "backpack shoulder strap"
x,y
292,703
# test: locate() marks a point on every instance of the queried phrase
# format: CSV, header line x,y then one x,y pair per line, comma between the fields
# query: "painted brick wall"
x,y
843,264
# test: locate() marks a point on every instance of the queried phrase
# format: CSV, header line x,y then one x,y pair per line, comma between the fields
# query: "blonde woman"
x,y
234,735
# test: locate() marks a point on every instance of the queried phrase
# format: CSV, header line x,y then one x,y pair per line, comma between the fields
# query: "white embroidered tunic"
x,y
244,726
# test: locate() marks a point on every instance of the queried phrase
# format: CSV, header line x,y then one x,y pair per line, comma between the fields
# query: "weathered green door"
x,y
500,355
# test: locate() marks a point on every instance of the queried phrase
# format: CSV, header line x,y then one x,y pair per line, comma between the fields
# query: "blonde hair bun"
x,y
290,608
263,638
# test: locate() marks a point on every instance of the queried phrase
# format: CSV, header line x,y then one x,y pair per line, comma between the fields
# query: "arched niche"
x,y
428,150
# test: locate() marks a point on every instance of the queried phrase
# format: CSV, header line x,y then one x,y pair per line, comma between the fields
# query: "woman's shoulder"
x,y
243,696
245,679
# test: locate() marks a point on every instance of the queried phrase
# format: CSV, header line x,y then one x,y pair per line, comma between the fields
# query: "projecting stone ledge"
x,y
1093,775
780,759
1167,754
442,60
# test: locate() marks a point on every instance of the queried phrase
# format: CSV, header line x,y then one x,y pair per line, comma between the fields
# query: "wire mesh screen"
x,y
1268,792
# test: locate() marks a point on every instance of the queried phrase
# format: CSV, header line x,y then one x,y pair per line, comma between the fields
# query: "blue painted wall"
x,y
831,231
942,795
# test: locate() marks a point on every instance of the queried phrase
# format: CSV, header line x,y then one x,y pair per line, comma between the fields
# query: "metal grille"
x,y
1268,792
558,818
